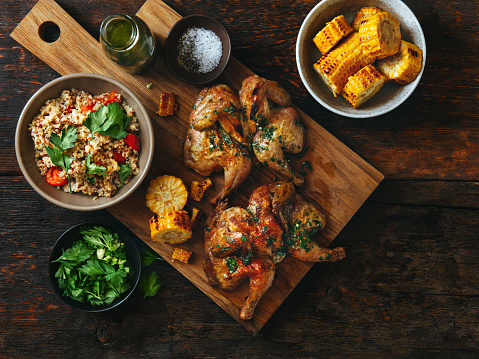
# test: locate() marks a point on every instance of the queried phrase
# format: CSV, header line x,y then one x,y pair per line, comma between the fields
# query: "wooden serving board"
x,y
340,181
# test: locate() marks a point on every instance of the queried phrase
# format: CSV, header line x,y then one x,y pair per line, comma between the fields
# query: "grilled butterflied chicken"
x,y
246,244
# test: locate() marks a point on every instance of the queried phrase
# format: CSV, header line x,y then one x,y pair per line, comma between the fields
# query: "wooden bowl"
x,y
172,51
391,95
24,148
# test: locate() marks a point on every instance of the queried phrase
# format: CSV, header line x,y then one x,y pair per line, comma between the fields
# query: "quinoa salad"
x,y
86,143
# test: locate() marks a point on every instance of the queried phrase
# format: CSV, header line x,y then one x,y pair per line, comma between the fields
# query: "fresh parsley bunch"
x,y
94,269
61,143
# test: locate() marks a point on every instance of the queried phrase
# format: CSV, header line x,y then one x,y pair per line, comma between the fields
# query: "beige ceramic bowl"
x,y
391,95
94,84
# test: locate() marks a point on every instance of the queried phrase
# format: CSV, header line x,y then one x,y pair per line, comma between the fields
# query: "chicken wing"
x,y
255,94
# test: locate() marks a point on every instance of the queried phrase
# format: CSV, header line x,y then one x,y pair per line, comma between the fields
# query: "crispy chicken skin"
x,y
210,147
246,244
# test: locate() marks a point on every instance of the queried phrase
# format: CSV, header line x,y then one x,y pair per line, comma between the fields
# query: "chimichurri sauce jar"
x,y
129,42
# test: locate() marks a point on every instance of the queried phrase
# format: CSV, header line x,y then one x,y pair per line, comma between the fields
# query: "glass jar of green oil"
x,y
128,41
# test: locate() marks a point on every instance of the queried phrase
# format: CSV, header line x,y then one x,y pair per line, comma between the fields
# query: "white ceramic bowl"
x,y
94,84
391,95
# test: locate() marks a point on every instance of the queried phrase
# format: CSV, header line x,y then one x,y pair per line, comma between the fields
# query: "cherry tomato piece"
x,y
118,157
133,141
86,108
54,178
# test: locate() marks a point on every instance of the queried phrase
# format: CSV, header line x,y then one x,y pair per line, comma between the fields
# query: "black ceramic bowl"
x,y
172,52
72,235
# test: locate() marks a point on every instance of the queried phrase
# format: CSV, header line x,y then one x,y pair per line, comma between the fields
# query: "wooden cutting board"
x,y
340,181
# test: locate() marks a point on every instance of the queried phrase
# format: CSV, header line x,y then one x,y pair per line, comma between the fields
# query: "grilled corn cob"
x,y
380,35
198,189
332,33
363,85
181,255
166,193
362,14
195,216
404,66
170,227
342,61
168,105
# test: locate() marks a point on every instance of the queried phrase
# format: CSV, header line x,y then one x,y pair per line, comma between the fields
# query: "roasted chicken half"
x,y
246,244
210,147
283,132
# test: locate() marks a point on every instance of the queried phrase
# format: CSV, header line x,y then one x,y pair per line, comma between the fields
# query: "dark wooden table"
x,y
410,284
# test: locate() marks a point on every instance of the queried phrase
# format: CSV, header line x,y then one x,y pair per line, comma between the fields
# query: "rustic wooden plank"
x,y
341,180
407,295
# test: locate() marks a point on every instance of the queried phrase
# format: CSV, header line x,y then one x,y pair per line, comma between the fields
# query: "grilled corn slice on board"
x,y
363,85
166,193
172,227
404,66
332,33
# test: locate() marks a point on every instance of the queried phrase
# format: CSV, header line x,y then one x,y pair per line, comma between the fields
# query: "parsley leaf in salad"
x,y
93,169
109,120
123,173
61,143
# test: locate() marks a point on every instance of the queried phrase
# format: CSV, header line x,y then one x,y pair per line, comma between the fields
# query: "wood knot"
x,y
103,333
335,293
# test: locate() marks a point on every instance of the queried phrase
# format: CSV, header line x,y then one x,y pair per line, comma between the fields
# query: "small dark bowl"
x,y
72,235
171,48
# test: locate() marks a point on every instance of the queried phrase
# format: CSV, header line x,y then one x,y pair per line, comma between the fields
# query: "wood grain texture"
x,y
408,288
340,182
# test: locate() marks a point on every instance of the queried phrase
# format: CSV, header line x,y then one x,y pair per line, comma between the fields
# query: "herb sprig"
x,y
109,120
61,143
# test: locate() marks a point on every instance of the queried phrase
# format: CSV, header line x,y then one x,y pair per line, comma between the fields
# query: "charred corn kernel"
x,y
363,14
166,193
198,189
195,216
342,61
380,35
170,227
404,66
181,255
363,85
332,33
168,105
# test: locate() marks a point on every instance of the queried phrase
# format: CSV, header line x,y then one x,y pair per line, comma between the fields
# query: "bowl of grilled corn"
x,y
360,59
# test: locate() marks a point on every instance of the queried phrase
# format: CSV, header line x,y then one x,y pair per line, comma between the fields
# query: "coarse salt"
x,y
199,50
